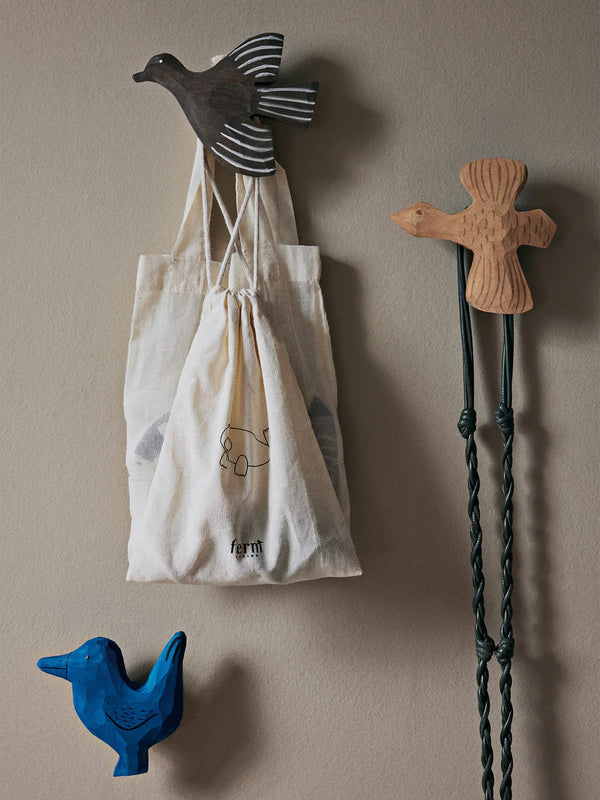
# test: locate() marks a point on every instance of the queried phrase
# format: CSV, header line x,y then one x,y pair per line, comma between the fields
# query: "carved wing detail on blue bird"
x,y
129,716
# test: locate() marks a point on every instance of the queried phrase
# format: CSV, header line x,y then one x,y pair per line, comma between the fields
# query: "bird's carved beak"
x,y
139,77
55,665
406,220
423,220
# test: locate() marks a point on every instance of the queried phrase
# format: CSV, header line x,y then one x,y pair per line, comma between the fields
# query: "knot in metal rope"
x,y
467,422
485,648
505,419
505,650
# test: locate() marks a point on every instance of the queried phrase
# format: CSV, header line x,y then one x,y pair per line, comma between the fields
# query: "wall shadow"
x,y
414,549
216,737
409,522
319,158
414,552
565,282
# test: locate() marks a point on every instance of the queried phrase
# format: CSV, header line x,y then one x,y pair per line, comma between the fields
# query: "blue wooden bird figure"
x,y
128,716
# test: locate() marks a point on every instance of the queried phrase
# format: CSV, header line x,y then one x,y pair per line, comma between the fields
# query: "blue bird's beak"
x,y
55,665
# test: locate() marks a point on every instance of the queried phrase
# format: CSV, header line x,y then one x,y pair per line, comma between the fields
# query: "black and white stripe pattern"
x,y
259,56
236,138
293,104
246,147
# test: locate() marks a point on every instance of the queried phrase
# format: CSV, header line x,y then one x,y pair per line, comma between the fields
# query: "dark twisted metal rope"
x,y
505,648
484,644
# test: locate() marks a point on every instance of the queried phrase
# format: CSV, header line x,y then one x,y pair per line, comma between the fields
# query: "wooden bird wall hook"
x,y
128,716
224,104
492,229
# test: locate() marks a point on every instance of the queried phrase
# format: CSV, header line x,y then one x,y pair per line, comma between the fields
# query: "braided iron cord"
x,y
484,644
506,644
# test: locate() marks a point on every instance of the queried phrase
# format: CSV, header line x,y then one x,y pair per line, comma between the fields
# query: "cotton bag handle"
x,y
253,189
278,223
194,235
191,239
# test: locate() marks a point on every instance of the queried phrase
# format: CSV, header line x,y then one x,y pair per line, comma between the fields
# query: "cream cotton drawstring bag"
x,y
234,451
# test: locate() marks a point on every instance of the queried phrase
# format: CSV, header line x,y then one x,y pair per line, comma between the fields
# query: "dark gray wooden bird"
x,y
223,103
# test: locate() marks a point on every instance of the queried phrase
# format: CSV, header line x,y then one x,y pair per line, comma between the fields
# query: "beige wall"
x,y
350,690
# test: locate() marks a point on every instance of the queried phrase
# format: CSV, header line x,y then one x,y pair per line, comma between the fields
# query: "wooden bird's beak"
x,y
403,218
415,219
139,77
55,665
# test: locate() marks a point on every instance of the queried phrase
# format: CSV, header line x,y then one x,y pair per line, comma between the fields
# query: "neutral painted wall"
x,y
346,690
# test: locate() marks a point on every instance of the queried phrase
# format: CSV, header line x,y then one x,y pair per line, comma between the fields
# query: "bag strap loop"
x,y
278,224
232,240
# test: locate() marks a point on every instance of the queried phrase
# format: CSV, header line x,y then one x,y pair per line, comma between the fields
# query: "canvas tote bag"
x,y
234,451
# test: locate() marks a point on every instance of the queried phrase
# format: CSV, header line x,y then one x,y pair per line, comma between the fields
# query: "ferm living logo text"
x,y
246,549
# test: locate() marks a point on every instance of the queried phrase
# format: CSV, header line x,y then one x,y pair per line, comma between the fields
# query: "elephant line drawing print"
x,y
243,449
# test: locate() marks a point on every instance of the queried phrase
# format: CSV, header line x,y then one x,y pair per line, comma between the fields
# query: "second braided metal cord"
x,y
506,644
484,645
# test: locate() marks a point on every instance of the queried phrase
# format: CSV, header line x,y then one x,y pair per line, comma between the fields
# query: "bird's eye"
x,y
87,658
160,61
419,213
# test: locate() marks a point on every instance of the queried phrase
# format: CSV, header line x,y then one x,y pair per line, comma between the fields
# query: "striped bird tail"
x,y
294,103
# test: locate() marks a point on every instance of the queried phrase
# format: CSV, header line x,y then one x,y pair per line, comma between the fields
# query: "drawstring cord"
x,y
485,647
233,236
232,227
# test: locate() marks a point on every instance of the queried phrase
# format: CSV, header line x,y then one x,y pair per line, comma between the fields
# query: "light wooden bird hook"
x,y
492,229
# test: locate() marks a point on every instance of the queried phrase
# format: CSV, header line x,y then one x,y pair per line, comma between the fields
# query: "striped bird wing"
x,y
258,57
535,228
494,180
292,103
238,140
245,146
